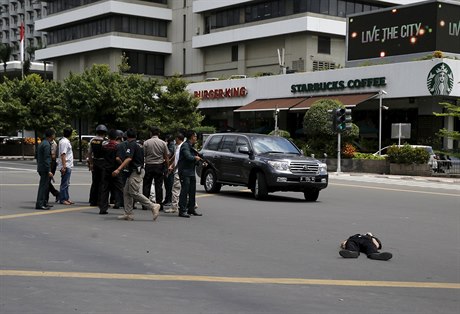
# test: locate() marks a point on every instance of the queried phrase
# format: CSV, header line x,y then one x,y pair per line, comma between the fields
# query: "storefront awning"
x,y
346,100
270,104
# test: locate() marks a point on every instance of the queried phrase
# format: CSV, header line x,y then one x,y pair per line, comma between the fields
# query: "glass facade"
x,y
63,5
115,23
145,63
277,8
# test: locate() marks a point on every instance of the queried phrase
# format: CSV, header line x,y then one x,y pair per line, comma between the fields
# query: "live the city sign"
x,y
338,85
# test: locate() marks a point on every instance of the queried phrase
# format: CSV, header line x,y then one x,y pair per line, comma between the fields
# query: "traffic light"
x,y
341,120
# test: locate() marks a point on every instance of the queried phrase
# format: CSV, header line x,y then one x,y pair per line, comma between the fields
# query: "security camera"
x,y
383,92
385,107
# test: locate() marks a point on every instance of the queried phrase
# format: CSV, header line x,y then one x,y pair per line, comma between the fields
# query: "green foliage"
x,y
177,107
282,133
12,110
358,155
407,155
317,126
451,110
205,129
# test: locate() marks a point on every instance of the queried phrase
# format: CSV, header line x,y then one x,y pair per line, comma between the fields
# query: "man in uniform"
x,y
134,162
95,161
109,153
44,170
156,164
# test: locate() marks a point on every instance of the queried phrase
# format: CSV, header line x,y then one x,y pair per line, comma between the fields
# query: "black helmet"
x,y
101,128
120,133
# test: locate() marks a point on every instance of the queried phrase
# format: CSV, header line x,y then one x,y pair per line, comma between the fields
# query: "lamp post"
x,y
381,93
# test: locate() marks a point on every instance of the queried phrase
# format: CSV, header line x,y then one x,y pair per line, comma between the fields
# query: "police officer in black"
x,y
95,161
109,182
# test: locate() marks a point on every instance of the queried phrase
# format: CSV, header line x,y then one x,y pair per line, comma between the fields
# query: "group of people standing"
x,y
123,168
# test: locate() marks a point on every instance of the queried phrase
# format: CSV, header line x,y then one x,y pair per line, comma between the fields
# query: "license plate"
x,y
307,179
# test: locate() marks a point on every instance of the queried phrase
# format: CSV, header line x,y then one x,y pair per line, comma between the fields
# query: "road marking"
x,y
45,212
247,280
395,190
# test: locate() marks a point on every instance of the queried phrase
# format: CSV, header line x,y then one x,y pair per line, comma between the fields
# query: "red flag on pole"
x,y
21,37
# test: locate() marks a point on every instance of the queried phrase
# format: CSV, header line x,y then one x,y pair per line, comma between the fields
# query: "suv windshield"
x,y
267,145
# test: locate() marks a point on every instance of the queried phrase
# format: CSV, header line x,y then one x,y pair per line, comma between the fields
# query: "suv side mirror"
x,y
244,150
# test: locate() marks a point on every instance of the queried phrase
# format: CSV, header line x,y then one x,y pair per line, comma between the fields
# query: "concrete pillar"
x,y
448,143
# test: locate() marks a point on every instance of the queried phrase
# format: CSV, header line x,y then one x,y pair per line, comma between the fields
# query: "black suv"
x,y
262,163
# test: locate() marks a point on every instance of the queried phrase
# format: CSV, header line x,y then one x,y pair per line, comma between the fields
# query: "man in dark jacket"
x,y
365,243
44,170
186,168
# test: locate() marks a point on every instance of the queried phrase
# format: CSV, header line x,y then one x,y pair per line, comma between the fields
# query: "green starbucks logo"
x,y
440,80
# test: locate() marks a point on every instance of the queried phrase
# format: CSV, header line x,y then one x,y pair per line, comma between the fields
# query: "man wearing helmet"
x,y
95,160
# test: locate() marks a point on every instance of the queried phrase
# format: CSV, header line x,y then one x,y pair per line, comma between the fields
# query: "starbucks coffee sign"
x,y
353,84
440,80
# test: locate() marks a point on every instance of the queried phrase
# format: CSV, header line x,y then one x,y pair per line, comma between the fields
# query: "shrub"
x,y
407,155
348,151
367,156
281,133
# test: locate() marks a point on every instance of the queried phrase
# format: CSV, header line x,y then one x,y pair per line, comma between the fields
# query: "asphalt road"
x,y
242,256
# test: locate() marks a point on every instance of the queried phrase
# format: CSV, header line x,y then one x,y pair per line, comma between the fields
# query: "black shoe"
x,y
103,212
43,207
195,213
57,198
349,254
184,215
383,256
48,205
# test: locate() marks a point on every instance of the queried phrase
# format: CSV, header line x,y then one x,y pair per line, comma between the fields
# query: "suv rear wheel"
x,y
260,189
311,195
210,182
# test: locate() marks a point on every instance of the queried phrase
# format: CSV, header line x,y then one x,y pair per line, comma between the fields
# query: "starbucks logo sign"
x,y
440,80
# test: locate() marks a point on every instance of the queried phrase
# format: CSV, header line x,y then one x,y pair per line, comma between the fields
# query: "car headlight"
x,y
322,169
279,165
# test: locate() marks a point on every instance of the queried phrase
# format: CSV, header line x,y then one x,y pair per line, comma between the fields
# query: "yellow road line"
x,y
45,212
395,190
245,280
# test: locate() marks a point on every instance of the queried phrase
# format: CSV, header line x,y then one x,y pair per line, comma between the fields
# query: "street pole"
x,y
380,123
381,93
339,168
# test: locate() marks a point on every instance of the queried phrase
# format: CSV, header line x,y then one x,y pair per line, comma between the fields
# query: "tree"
x,y
12,110
317,126
451,110
5,55
177,107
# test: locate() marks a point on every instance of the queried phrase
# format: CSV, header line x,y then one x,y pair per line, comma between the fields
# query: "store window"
x,y
235,53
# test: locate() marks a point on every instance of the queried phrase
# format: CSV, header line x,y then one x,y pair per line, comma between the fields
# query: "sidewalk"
x,y
395,177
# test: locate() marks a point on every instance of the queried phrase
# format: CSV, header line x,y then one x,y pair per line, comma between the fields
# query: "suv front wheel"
x,y
210,182
260,189
311,195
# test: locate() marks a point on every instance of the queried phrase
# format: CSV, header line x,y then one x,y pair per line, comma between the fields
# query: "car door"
x,y
241,162
227,158
211,153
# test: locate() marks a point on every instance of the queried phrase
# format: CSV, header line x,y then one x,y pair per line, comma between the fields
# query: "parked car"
x,y
432,161
263,163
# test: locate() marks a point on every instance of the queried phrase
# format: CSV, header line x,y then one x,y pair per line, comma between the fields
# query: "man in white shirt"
x,y
65,165
173,168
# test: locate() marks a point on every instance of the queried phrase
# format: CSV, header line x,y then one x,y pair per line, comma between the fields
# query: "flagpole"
x,y
21,34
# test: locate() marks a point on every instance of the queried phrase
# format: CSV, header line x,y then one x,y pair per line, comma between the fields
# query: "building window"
x,y
235,53
324,45
115,23
145,63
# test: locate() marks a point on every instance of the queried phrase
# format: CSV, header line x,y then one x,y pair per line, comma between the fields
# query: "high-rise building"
x,y
13,14
200,39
